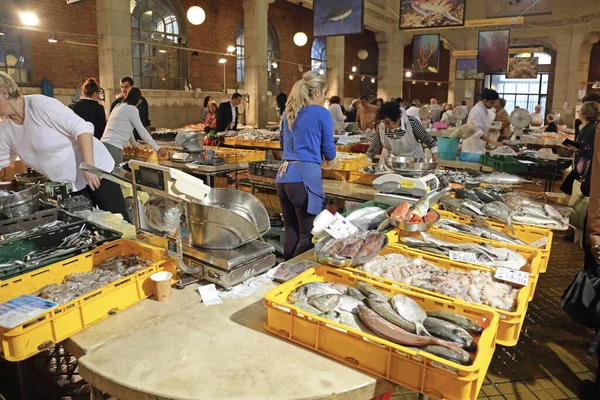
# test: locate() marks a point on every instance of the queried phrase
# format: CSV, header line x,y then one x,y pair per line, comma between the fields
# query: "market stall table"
x,y
184,349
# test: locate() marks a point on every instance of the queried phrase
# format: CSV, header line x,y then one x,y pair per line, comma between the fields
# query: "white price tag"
x,y
513,276
463,256
539,243
343,140
340,227
209,295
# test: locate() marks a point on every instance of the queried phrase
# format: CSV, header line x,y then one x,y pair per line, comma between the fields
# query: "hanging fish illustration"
x,y
338,15
434,8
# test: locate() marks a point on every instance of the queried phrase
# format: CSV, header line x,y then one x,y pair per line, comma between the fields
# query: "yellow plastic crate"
x,y
335,174
231,141
350,162
526,233
361,178
510,321
343,148
409,367
65,320
533,256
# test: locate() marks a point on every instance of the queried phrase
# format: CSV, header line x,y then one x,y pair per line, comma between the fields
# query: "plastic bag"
x,y
163,214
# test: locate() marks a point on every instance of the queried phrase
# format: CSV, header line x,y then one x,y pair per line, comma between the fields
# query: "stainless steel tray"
x,y
411,165
340,262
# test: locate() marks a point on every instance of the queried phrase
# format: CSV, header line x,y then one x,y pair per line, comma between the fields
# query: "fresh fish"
x,y
449,331
419,209
373,244
458,356
457,319
307,307
342,287
494,234
367,218
552,213
395,334
384,309
339,15
501,178
385,224
484,196
400,212
330,302
346,318
497,210
410,311
305,292
536,220
369,290
455,205
355,293
467,194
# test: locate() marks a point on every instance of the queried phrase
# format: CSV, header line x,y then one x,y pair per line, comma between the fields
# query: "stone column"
x,y
335,66
391,62
256,73
114,48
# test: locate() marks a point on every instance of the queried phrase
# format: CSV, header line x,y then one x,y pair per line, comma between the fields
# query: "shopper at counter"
x,y
48,137
227,115
552,126
126,86
210,122
448,115
337,115
413,109
502,116
435,110
537,118
367,115
306,139
482,116
352,111
120,125
204,111
88,108
399,135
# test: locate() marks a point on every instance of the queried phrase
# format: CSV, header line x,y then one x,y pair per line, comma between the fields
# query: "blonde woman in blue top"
x,y
307,142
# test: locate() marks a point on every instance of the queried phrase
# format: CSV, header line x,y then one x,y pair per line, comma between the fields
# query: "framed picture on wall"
x,y
492,54
522,68
415,14
467,69
338,17
426,54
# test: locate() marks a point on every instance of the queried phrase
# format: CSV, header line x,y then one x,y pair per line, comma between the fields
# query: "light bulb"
x,y
439,84
353,69
408,74
426,83
362,78
52,38
274,64
162,50
300,39
372,80
1,32
29,18
351,77
222,60
321,72
414,82
230,49
196,15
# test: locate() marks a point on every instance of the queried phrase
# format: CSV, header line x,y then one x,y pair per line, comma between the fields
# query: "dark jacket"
x,y
552,127
91,111
225,117
144,113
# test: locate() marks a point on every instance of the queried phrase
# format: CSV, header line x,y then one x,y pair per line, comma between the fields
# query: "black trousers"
x,y
297,221
108,197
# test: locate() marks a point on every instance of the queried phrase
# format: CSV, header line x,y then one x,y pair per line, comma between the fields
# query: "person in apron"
x,y
482,116
306,139
399,135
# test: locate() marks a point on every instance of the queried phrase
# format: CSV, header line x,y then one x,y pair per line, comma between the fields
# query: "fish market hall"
x,y
399,198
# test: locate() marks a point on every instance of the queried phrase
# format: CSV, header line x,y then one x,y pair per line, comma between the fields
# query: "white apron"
x,y
406,146
474,144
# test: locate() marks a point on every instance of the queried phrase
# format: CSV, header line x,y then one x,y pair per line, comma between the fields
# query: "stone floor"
x,y
550,361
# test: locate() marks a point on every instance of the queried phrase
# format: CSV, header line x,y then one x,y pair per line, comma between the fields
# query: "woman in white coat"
x,y
338,117
482,115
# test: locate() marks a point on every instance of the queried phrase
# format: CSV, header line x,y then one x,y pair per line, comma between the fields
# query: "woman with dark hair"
x,y
482,116
400,135
204,111
337,115
88,107
281,100
121,123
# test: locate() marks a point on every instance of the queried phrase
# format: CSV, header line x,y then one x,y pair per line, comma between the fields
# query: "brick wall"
x,y
64,65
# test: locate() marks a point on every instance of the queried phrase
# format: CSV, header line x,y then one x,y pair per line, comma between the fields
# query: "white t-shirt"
x,y
47,141
413,112
337,116
119,127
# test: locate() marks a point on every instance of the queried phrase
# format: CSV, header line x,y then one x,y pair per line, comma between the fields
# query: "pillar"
x,y
335,66
567,72
391,62
114,47
256,72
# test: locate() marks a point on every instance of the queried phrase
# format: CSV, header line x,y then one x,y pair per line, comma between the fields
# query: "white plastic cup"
x,y
162,285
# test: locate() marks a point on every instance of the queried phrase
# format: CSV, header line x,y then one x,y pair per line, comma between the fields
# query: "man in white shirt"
x,y
482,116
227,115
435,110
413,110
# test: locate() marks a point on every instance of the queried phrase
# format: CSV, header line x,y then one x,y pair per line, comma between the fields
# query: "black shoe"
x,y
589,390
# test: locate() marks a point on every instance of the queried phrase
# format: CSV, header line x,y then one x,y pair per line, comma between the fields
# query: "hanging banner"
x,y
492,55
416,14
522,68
338,17
467,69
426,54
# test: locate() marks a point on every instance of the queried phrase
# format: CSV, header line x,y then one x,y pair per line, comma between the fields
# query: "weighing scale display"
x,y
150,177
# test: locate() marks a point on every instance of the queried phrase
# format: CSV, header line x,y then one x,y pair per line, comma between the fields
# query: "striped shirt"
x,y
394,134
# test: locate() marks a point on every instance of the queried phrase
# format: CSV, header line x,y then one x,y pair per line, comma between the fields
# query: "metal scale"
x,y
221,246
411,181
193,150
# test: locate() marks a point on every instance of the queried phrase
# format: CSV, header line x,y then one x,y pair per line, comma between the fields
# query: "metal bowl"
x,y
22,203
412,165
344,262
407,227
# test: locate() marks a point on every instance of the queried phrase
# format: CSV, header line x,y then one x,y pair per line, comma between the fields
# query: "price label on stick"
x,y
463,256
539,243
343,140
340,227
511,275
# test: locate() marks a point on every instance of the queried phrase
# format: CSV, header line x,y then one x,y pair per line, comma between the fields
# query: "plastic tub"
x,y
469,157
447,148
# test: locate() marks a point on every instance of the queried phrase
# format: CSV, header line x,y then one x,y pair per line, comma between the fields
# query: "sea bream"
x,y
305,292
410,311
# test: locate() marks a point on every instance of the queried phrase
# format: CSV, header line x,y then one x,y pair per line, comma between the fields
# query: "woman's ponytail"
x,y
301,94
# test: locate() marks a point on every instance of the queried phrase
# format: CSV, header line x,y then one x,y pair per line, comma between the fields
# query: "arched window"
x,y
273,53
15,46
318,55
155,23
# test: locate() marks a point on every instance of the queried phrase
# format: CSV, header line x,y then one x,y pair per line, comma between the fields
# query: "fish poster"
x,y
338,17
426,54
522,68
492,55
467,69
415,14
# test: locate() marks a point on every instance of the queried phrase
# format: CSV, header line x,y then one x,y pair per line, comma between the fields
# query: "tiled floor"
x,y
550,359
